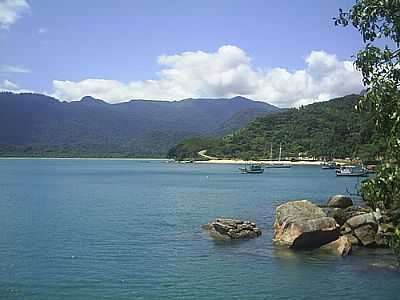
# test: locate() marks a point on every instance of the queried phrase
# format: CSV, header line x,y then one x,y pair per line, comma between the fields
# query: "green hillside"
x,y
327,129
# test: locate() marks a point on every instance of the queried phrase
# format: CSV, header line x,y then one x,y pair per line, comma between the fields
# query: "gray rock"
x,y
366,234
230,229
340,201
363,219
303,225
342,215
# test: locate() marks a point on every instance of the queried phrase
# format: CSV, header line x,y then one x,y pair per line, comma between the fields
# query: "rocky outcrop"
x,y
342,246
303,225
230,229
363,229
340,201
342,215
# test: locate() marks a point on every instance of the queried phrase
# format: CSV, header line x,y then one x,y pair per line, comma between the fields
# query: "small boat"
x,y
352,171
252,169
328,165
278,164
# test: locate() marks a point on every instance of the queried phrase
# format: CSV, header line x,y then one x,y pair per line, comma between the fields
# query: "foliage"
x,y
326,129
378,21
38,125
395,244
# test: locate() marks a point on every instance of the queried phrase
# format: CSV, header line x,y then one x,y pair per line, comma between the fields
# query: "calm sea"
x,y
119,229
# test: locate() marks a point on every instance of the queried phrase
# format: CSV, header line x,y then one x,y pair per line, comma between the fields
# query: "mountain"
x,y
326,129
39,125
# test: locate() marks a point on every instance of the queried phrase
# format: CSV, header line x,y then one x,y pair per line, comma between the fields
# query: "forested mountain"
x,y
327,129
38,125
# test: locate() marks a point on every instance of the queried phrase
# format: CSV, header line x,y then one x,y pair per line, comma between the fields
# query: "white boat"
x,y
279,164
358,171
328,165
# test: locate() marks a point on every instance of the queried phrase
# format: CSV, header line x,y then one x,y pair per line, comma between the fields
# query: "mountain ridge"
x,y
37,125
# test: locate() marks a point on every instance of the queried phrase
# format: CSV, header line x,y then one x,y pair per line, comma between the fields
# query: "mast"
x,y
280,151
270,155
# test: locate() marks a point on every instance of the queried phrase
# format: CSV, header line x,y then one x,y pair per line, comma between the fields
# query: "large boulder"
x,y
230,229
342,246
303,225
363,228
340,201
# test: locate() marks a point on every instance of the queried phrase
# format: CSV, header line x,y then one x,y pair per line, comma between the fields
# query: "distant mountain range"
x,y
39,125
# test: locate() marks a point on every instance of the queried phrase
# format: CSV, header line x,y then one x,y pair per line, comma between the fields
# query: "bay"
x,y
126,229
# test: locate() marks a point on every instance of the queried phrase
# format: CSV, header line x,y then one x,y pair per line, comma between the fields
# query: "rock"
x,y
230,229
303,225
366,234
342,215
382,239
342,246
363,227
340,201
352,239
363,219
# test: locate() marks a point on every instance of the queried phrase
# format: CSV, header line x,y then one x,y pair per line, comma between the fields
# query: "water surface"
x,y
122,229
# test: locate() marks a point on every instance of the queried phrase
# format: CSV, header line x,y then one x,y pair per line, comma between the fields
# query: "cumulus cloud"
x,y
225,73
11,10
13,69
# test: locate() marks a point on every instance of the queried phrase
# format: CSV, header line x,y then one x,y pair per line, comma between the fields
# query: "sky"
x,y
285,52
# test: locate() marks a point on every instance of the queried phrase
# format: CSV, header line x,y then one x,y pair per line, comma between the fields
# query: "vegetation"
x,y
326,129
378,21
38,125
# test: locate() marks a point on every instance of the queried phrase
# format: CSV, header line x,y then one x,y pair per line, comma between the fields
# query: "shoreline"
x,y
242,162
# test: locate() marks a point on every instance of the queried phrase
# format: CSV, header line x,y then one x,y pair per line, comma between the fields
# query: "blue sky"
x,y
218,48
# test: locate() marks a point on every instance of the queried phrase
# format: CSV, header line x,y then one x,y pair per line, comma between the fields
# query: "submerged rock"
x,y
303,225
342,246
340,201
230,229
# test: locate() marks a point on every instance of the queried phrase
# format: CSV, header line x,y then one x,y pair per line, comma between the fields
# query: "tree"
x,y
378,22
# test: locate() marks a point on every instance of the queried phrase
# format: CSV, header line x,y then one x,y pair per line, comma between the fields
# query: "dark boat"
x,y
252,169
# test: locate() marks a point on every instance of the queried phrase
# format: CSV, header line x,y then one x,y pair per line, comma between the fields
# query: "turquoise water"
x,y
115,229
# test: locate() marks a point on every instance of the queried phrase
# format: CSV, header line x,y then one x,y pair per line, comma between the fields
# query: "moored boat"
x,y
252,169
328,165
352,171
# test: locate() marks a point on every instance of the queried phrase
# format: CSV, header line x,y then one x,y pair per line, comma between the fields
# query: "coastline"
x,y
242,162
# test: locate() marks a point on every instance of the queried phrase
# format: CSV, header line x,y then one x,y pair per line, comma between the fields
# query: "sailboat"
x,y
279,164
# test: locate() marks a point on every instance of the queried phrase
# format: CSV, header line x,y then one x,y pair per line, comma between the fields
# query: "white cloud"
x,y
226,73
11,10
13,69
8,86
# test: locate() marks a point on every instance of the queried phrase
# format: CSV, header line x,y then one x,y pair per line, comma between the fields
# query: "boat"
x,y
328,165
358,171
278,164
252,169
